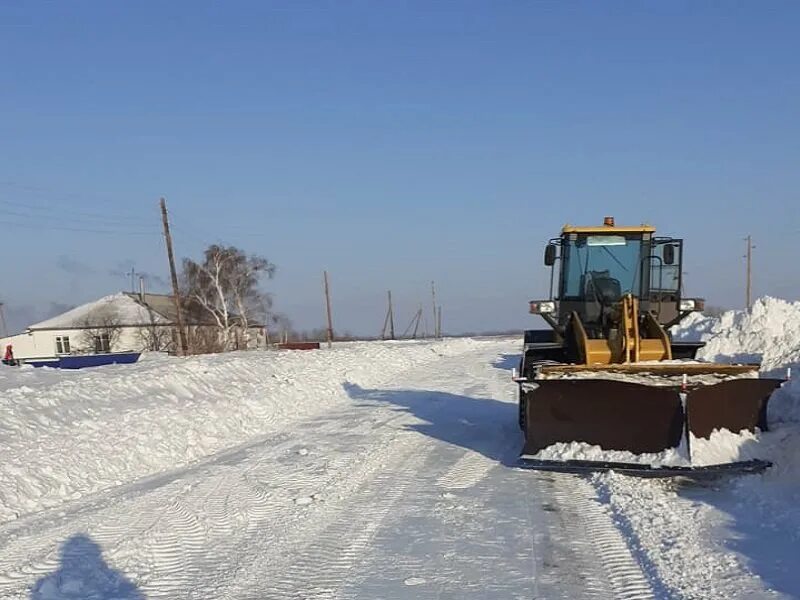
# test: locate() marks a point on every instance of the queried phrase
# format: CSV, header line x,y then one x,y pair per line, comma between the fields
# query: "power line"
x,y
50,209
70,218
47,227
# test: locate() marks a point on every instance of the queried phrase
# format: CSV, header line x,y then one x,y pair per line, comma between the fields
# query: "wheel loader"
x,y
607,371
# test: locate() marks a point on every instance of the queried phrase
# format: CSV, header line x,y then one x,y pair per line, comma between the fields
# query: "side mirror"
x,y
669,254
550,255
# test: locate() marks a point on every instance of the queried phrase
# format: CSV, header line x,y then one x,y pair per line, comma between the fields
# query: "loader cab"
x,y
597,266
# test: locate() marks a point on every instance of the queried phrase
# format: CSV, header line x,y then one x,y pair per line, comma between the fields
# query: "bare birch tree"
x,y
101,330
225,285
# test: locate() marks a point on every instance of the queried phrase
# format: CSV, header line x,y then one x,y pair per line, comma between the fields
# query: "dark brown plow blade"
x,y
644,470
733,405
615,415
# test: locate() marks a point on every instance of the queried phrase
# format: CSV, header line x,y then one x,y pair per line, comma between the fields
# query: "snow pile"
x,y
722,447
769,333
561,451
68,433
693,328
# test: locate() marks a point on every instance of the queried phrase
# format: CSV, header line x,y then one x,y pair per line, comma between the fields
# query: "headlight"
x,y
691,304
545,307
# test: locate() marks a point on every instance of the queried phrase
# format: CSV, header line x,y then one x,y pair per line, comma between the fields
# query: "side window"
x,y
62,344
663,277
102,343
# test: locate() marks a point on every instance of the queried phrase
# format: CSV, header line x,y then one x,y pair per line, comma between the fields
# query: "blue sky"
x,y
393,143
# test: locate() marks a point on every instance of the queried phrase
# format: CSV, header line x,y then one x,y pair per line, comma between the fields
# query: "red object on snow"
x,y
299,346
9,353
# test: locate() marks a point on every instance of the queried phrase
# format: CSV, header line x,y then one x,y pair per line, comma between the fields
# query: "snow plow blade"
x,y
636,417
644,470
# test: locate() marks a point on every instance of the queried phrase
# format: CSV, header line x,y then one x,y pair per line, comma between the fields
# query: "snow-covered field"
x,y
375,470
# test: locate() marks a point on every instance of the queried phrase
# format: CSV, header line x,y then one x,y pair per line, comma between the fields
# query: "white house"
x,y
119,323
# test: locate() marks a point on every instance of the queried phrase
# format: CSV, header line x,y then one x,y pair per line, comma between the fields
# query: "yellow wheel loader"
x,y
607,372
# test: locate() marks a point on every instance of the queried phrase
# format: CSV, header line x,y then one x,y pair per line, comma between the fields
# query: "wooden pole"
x,y
175,292
748,285
433,298
410,325
3,320
385,326
391,317
416,323
328,307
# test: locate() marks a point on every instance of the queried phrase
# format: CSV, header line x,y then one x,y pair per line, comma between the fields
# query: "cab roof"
x,y
608,229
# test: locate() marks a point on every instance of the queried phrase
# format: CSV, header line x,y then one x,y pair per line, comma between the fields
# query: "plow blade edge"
x,y
619,415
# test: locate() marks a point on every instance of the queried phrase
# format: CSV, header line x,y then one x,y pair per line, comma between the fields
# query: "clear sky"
x,y
393,143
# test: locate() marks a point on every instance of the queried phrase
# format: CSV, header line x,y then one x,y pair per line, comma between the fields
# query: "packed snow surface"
x,y
379,470
66,434
376,470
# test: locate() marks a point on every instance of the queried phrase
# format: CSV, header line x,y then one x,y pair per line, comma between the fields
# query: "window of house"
x,y
62,344
102,343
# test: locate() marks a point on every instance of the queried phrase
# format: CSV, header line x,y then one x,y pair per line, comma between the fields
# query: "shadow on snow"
x,y
489,426
83,573
482,425
506,362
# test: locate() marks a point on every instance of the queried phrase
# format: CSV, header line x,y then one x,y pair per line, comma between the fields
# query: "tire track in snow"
x,y
468,470
625,575
312,558
175,545
179,548
322,568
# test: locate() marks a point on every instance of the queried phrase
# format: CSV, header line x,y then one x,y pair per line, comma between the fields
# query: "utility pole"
x,y
175,292
389,320
748,286
439,321
433,298
328,306
391,317
133,279
416,324
3,320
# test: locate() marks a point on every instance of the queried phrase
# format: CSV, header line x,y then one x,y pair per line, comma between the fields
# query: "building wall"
x,y
42,343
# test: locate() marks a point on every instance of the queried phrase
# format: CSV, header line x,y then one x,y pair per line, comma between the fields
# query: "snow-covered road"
x,y
397,485
403,492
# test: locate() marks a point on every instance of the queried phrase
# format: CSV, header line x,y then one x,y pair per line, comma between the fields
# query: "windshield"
x,y
601,265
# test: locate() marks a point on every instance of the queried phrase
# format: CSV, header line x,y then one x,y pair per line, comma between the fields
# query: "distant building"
x,y
125,322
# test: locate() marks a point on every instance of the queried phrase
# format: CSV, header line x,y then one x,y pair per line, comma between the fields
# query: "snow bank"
x,y
769,333
65,434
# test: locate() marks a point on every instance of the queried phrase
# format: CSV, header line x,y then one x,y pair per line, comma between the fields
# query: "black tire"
x,y
521,411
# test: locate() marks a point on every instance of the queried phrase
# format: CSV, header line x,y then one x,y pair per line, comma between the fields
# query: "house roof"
x,y
120,308
164,305
128,310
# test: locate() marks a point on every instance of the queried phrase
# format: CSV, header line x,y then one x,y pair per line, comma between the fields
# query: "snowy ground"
x,y
367,471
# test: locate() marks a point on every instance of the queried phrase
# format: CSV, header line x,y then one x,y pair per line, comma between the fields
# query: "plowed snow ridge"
x,y
66,434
